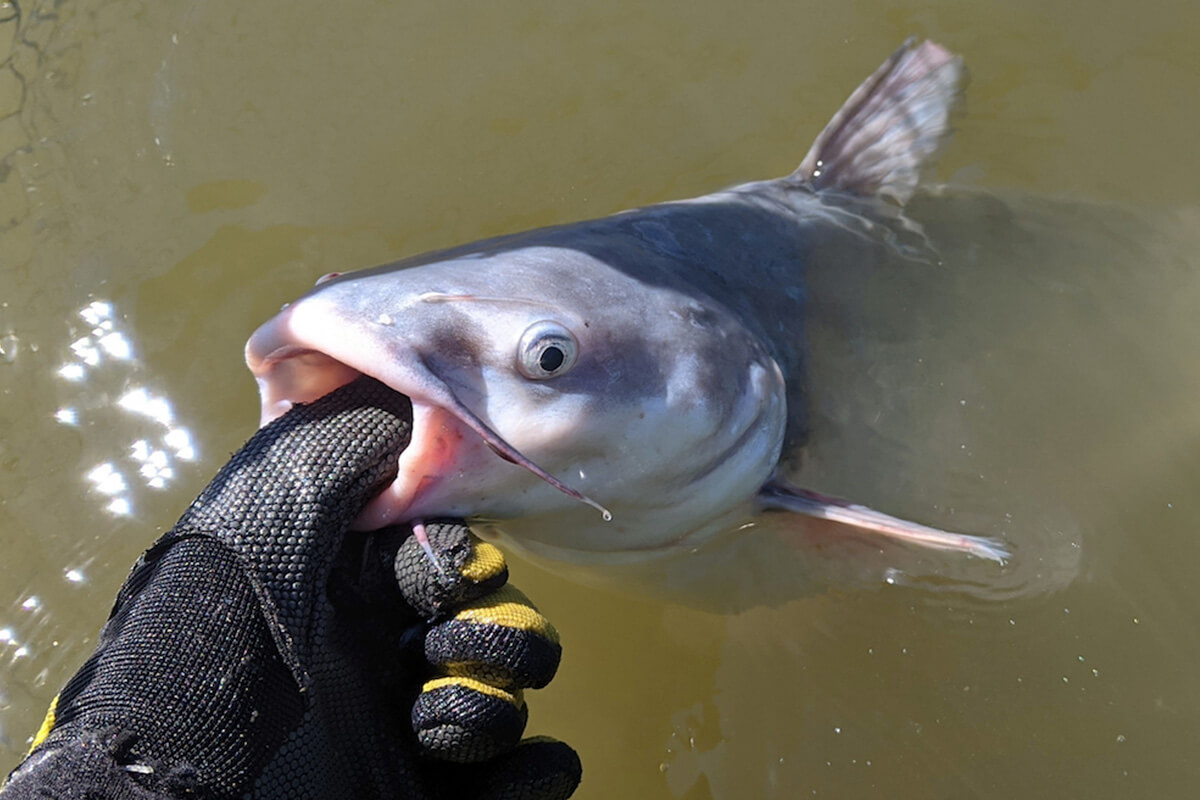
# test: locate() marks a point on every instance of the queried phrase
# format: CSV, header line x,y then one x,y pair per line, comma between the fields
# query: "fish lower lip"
x,y
441,448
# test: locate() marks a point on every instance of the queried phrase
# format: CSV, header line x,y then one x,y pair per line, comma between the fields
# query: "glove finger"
x,y
489,651
307,473
539,768
466,720
495,644
461,569
500,639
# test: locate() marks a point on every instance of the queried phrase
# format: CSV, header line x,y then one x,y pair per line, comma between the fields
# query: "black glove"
x,y
250,653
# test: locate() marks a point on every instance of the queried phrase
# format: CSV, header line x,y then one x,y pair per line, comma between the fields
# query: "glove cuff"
x,y
93,765
186,681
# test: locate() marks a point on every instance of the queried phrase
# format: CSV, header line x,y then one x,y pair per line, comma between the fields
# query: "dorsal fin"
x,y
890,128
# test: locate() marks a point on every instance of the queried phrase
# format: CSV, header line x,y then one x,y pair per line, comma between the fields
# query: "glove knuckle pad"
x,y
465,569
463,720
507,657
501,639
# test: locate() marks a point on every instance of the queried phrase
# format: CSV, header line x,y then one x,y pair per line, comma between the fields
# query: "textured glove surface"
x,y
487,642
250,653
483,644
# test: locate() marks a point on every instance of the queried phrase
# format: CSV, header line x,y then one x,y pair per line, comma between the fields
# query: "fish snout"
x,y
289,369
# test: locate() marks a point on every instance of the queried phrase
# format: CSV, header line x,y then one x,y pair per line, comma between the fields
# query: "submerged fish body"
x,y
651,364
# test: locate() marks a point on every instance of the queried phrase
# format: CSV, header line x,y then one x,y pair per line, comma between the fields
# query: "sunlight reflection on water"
x,y
151,458
117,412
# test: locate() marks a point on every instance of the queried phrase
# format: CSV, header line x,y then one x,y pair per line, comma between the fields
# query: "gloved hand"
x,y
255,650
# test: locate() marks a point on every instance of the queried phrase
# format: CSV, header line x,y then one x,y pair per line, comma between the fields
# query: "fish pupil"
x,y
551,358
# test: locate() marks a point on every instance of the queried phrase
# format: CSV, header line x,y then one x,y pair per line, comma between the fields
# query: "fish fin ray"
x,y
890,128
781,496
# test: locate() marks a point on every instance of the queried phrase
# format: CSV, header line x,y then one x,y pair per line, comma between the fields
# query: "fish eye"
x,y
547,350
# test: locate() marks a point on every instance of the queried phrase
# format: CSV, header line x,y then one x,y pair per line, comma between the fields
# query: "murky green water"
x,y
171,172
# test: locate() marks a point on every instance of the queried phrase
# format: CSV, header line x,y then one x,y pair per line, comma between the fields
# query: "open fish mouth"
x,y
453,454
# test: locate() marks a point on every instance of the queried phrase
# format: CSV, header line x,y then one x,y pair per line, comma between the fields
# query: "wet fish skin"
x,y
685,382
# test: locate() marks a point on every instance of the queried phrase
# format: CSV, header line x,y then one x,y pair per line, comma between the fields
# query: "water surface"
x,y
171,172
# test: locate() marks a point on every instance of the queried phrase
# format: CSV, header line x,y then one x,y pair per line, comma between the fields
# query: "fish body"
x,y
645,373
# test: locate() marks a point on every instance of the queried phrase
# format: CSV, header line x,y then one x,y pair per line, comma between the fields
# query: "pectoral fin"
x,y
777,495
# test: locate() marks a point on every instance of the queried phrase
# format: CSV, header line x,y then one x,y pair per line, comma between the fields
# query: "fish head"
x,y
541,377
